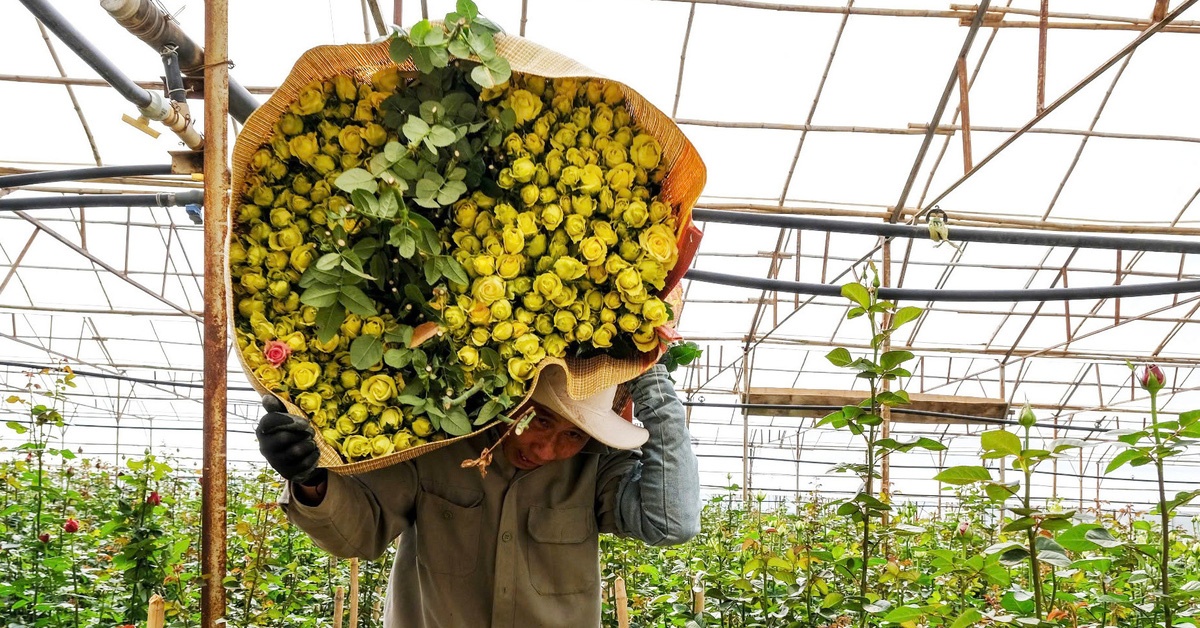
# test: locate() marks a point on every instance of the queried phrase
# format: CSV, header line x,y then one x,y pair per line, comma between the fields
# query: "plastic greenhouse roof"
x,y
809,109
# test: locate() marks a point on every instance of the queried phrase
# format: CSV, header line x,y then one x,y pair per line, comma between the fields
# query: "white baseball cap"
x,y
593,415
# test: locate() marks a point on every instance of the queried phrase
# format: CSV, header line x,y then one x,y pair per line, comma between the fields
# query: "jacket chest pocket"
x,y
448,534
563,554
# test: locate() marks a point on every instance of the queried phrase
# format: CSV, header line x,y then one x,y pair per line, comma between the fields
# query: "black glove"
x,y
286,441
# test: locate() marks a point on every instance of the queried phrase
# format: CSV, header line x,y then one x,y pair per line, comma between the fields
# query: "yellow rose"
x,y
564,321
390,418
636,214
454,317
555,345
358,411
378,389
525,105
613,95
303,147
583,331
311,100
324,347
628,323
370,429
501,309
575,227
527,223
591,179
356,447
548,285
502,331
304,375
544,324
510,266
645,151
602,337
270,376
291,124
602,120
402,440
628,280
569,268
324,164
488,289
468,356
654,311
480,336
623,135
659,244
533,301
344,87
614,155
422,427
381,446
465,212
295,341
349,379
514,239
523,169
387,79
527,344
302,256
375,135
373,326
536,247
483,265
652,272
593,250
552,216
479,314
309,402
646,339
350,139
520,369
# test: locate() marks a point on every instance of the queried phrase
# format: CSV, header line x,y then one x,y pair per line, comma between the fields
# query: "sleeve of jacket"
x,y
360,514
652,494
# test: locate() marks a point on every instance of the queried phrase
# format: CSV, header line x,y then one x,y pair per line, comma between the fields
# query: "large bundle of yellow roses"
x,y
558,249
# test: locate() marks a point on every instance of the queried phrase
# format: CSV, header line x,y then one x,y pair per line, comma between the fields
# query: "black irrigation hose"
x,y
82,174
929,413
160,199
972,296
958,234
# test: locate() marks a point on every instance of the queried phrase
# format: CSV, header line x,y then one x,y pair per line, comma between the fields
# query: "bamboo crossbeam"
x,y
89,82
1079,16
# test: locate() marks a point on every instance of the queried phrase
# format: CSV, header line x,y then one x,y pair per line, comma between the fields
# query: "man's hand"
x,y
286,441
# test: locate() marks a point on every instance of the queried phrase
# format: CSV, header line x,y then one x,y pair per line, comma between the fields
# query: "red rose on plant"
x,y
276,352
1152,378
71,525
154,498
44,537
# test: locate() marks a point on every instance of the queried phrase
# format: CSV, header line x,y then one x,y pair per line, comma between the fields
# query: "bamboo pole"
x,y
697,594
622,602
155,615
353,593
338,600
1043,24
216,199
965,112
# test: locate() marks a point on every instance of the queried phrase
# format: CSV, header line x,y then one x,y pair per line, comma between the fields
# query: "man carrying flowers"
x,y
518,544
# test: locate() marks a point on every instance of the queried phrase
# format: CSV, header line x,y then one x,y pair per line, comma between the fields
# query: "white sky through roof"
x,y
743,66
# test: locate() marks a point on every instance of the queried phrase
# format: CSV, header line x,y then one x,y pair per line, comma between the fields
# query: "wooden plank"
x,y
954,404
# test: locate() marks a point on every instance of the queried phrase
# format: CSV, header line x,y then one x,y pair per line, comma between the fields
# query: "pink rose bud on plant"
x,y
962,527
1152,378
154,499
71,525
276,352
44,537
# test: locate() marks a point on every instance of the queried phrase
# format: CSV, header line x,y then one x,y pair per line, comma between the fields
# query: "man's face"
x,y
547,438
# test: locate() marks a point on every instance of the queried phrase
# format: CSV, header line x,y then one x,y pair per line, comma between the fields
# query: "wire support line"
x,y
969,296
958,234
900,409
114,376
82,174
159,199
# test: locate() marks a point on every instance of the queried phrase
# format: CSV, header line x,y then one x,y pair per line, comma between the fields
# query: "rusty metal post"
x,y
216,199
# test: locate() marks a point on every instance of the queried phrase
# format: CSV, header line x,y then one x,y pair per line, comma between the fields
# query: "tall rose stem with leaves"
x,y
864,419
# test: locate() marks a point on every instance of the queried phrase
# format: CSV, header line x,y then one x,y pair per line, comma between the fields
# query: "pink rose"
x,y
276,352
1152,378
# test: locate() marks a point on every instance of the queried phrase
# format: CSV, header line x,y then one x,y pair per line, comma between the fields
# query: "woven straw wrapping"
x,y
680,188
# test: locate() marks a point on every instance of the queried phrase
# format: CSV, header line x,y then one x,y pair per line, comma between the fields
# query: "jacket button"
x,y
446,514
506,537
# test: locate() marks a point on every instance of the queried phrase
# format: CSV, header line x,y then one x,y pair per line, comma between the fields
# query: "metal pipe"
x,y
160,199
59,25
216,341
973,296
958,234
82,174
146,22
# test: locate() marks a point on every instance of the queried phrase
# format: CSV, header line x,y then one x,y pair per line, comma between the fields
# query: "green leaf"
x,y
456,422
892,359
365,202
1102,537
969,618
1013,557
415,129
961,475
320,296
488,412
400,50
839,357
454,272
441,136
329,320
901,614
1001,441
433,270
1122,459
356,301
397,358
905,315
1024,523
857,293
832,600
356,179
366,351
451,192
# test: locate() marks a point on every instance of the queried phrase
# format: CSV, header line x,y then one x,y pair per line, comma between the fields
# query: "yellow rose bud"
x,y
304,375
514,240
527,223
629,250
324,347
253,283
536,247
276,260
345,426
554,163
302,256
620,176
530,194
602,120
358,412
291,124
386,79
502,331
524,317
505,179
613,95
555,345
468,357
381,446
371,429
526,344
569,268
593,250
480,336
645,339
356,447
349,379
373,325
645,151
513,145
628,280
375,135
454,317
309,402
479,314
351,140
636,214
614,155
295,341
488,289
653,273
628,322
311,100
654,311
602,337
591,179
575,227
390,419
519,369
304,147
324,164
526,105
548,285
583,331
510,266
564,321
402,440
523,169
544,324
533,301
483,265
659,244
535,144
501,309
422,427
351,326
